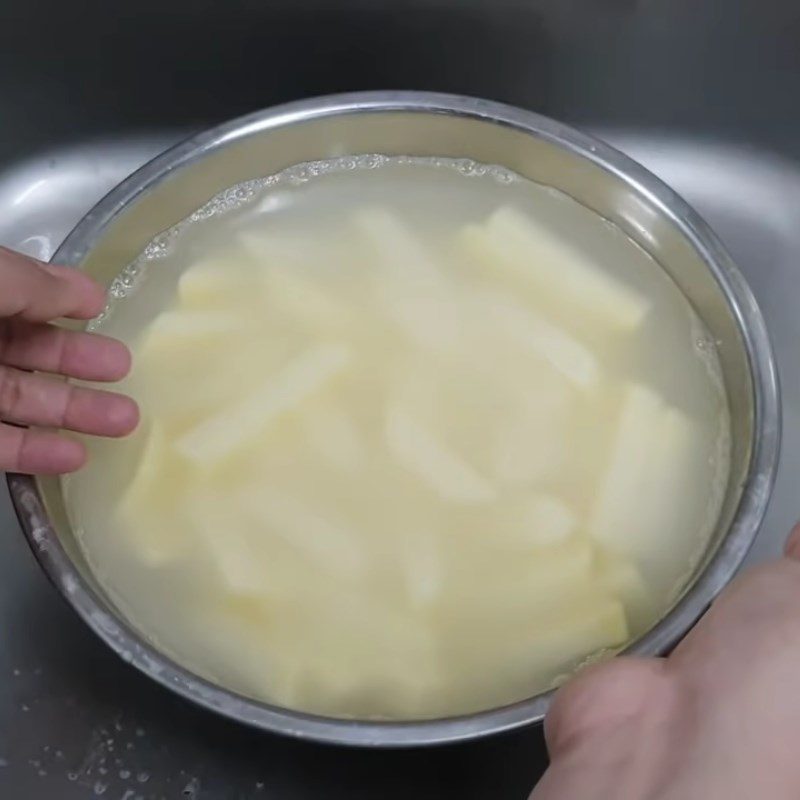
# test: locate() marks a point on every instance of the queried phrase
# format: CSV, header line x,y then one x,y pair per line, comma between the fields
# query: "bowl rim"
x,y
756,489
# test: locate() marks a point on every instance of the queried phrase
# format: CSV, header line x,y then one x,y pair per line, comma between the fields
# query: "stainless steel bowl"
x,y
176,183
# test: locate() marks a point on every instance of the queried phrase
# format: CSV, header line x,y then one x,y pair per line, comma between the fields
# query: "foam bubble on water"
x,y
243,194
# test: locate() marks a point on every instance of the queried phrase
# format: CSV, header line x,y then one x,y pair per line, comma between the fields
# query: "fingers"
x,y
30,399
38,452
40,292
77,354
792,546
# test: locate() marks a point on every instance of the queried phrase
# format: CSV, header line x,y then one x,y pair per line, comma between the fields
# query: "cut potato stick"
x,y
409,281
541,520
228,544
444,472
532,332
228,431
283,267
173,331
531,441
277,249
617,513
148,499
300,296
549,644
624,580
333,434
401,256
532,587
513,242
327,542
583,630
641,495
422,566
206,284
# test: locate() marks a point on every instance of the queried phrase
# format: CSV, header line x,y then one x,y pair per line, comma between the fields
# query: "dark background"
x,y
77,72
68,70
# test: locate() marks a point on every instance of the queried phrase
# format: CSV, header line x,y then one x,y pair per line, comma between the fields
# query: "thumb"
x,y
792,547
623,693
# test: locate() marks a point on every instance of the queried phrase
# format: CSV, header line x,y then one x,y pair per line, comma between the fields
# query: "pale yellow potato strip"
x,y
617,514
537,585
335,437
422,454
400,254
175,330
228,542
229,430
146,497
302,297
518,245
566,639
327,542
563,352
544,520
211,283
151,458
625,581
642,493
409,281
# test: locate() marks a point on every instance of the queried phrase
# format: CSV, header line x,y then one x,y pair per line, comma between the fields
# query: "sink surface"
x,y
66,695
700,92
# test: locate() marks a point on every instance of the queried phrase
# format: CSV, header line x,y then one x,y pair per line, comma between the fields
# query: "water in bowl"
x,y
419,437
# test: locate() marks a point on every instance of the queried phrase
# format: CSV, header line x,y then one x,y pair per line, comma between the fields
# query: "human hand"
x,y
33,294
719,719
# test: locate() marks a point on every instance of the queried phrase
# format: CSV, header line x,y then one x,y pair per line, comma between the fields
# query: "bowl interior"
x,y
174,185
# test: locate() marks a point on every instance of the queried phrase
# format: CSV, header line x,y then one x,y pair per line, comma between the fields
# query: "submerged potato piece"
x,y
326,541
218,629
583,630
228,431
147,501
228,541
641,494
443,471
523,325
367,659
294,292
274,248
184,390
334,435
531,444
402,257
211,282
534,586
513,654
624,580
146,477
517,244
422,565
294,280
619,510
286,270
409,281
175,331
540,520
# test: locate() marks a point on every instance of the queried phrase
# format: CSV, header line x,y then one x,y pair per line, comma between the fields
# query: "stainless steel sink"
x,y
704,96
